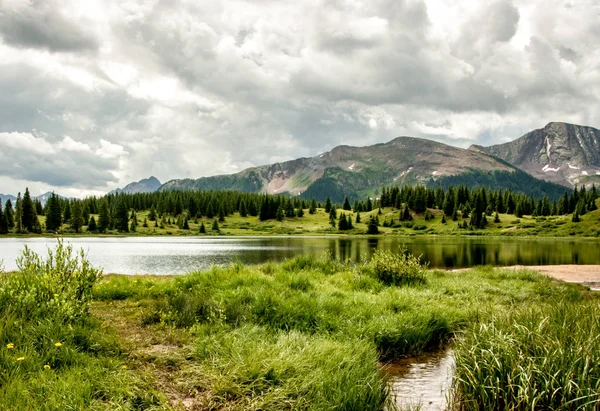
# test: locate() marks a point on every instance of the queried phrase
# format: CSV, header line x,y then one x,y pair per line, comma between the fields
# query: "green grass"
x,y
537,357
298,334
305,334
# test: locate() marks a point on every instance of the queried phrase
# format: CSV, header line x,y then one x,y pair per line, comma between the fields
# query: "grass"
x,y
543,358
307,333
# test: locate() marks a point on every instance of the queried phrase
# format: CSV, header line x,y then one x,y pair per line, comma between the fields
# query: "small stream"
x,y
422,382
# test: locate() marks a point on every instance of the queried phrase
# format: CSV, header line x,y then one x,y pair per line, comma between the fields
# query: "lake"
x,y
179,255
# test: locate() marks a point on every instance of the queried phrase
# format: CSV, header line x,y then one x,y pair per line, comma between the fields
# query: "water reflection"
x,y
177,255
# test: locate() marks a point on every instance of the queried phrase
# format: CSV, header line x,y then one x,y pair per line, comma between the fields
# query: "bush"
x,y
397,269
60,285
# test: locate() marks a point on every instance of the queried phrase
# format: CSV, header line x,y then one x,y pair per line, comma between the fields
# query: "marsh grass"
x,y
537,357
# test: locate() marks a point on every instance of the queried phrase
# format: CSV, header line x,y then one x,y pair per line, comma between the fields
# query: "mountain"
x,y
562,153
5,197
360,171
147,185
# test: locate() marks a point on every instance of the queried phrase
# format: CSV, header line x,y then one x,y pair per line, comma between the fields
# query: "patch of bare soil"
x,y
583,274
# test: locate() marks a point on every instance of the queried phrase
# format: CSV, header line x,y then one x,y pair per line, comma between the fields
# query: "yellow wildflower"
x,y
10,346
124,367
46,367
58,344
20,358
70,327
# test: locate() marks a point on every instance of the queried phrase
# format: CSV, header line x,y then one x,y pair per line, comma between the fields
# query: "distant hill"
x,y
563,153
147,185
357,171
5,197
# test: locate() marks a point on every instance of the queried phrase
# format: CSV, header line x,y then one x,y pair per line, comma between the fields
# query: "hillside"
x,y
562,153
352,171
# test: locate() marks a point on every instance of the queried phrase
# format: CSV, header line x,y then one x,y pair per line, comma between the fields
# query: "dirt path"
x,y
159,352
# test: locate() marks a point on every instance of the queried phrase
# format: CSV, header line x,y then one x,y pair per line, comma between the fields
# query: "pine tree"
x,y
279,215
133,226
332,216
349,221
86,213
496,218
357,218
77,216
313,207
243,209
373,226
9,214
327,205
104,217
67,213
122,217
92,225
215,226
145,225
152,215
186,225
342,223
202,228
443,218
54,213
3,224
28,211
346,206
19,214
300,212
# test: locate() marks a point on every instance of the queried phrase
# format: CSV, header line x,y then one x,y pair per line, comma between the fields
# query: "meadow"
x,y
389,224
308,333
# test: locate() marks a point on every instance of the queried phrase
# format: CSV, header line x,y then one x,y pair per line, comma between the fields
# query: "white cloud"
x,y
125,89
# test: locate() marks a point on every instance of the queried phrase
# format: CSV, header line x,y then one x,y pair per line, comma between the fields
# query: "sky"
x,y
95,94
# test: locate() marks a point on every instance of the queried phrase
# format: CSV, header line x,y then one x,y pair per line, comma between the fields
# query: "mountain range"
x,y
560,153
147,185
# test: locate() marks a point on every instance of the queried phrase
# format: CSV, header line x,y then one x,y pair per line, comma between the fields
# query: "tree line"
x,y
119,211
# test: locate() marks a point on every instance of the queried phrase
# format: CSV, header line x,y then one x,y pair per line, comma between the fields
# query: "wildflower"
x,y
46,367
70,327
10,346
124,367
58,344
20,358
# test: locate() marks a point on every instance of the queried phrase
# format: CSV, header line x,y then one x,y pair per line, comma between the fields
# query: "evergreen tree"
x,y
9,214
327,205
19,214
342,223
373,226
349,221
67,213
496,218
357,218
279,215
243,209
332,216
104,217
28,211
122,217
186,225
37,204
145,225
202,228
53,214
369,204
76,216
92,225
454,215
300,212
215,226
346,205
3,224
443,218
221,213
133,226
152,215
313,207
86,213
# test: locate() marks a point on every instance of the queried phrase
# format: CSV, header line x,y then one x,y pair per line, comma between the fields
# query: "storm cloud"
x,y
94,95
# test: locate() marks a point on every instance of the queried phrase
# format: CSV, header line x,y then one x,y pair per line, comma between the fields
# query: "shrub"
x,y
61,284
397,269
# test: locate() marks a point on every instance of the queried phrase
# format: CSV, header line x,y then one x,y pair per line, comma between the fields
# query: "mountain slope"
x,y
563,153
352,171
147,185
5,197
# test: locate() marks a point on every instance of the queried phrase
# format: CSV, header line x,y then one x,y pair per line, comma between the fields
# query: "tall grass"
x,y
534,358
53,355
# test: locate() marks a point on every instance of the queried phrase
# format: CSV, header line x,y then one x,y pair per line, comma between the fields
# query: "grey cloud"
x,y
41,25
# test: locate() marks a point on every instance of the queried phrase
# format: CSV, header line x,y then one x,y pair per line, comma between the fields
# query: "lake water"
x,y
179,255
